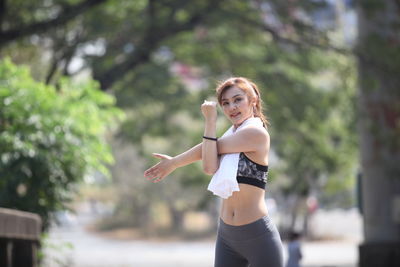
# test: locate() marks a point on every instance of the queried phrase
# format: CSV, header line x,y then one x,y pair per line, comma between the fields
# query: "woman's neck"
x,y
235,126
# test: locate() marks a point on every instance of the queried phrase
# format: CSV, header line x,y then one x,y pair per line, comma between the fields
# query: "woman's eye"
x,y
225,103
238,99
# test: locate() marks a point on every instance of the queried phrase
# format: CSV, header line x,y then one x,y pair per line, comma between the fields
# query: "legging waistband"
x,y
259,227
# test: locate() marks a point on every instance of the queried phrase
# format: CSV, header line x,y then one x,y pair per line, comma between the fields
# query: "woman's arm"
x,y
209,147
188,157
168,164
249,139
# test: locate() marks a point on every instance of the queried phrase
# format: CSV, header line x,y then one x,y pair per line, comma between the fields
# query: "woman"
x,y
246,235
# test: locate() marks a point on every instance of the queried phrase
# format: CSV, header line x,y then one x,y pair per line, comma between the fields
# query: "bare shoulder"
x,y
258,133
247,139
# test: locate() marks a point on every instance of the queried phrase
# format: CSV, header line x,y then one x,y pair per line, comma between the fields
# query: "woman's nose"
x,y
232,106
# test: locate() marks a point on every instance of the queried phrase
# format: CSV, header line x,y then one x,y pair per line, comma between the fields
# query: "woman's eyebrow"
x,y
224,99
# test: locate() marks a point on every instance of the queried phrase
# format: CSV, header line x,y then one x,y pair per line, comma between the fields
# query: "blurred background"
x,y
90,88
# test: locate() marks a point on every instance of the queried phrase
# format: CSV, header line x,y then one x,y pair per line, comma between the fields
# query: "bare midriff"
x,y
245,206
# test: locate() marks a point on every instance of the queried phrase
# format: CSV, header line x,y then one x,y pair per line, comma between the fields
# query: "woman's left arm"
x,y
249,139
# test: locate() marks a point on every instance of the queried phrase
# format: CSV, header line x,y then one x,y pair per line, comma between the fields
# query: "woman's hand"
x,y
209,110
161,169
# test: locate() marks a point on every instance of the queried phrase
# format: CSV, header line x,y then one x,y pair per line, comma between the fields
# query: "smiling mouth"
x,y
233,116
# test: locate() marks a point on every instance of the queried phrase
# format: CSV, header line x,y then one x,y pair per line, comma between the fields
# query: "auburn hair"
x,y
251,90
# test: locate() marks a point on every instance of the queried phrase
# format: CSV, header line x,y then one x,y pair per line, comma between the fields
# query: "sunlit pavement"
x,y
88,249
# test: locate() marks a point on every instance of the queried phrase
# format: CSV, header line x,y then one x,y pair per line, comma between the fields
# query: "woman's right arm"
x,y
169,164
188,157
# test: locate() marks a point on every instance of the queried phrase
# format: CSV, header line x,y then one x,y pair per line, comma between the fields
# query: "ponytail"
x,y
258,112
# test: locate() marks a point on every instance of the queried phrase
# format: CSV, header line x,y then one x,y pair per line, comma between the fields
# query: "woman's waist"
x,y
244,206
237,220
242,214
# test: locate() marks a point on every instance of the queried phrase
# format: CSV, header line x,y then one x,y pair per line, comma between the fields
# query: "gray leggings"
x,y
257,244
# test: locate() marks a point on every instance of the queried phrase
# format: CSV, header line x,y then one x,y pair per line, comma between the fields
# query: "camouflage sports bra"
x,y
251,173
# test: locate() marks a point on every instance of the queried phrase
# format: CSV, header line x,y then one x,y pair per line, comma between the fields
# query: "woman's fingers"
x,y
157,180
209,109
211,103
148,171
153,169
157,172
154,174
155,177
151,173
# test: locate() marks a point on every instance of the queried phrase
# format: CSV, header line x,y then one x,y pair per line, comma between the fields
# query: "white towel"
x,y
223,182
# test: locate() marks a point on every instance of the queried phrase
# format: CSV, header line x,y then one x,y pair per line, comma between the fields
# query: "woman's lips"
x,y
235,115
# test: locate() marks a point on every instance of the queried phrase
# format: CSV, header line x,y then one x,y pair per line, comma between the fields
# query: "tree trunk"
x,y
379,129
144,220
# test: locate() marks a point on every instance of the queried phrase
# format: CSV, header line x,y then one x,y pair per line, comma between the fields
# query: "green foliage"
x,y
58,252
313,120
49,139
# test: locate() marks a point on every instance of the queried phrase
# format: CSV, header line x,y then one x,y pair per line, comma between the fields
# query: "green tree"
x,y
50,139
20,19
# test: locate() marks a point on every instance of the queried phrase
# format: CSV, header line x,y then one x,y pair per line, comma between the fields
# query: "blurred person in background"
x,y
294,250
238,162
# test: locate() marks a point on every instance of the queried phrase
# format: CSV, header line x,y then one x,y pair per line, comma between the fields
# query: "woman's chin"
x,y
237,122
234,120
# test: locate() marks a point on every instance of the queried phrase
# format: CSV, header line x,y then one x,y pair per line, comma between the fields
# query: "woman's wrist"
x,y
210,126
211,120
175,162
210,138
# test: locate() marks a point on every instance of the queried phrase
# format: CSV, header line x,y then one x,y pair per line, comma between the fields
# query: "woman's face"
x,y
236,105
